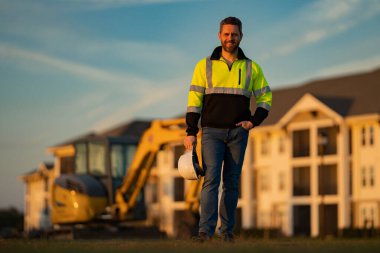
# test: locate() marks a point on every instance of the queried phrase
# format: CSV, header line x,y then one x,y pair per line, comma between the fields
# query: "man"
x,y
219,94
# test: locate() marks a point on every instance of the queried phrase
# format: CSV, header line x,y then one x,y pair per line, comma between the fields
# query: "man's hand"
x,y
247,125
189,142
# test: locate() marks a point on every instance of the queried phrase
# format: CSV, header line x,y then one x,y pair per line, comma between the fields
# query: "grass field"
x,y
168,246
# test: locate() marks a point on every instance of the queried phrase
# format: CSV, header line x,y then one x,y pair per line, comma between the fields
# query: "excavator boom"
x,y
161,132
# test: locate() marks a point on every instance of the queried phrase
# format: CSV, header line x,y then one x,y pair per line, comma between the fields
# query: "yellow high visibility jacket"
x,y
221,95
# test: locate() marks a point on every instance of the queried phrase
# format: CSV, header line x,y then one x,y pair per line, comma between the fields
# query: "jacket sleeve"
x,y
262,93
195,98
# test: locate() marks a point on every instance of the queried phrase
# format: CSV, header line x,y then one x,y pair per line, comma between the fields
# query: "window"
x,y
264,181
97,163
327,181
372,176
301,220
301,181
364,181
281,145
329,137
372,214
117,161
265,145
281,181
301,143
328,219
130,151
81,158
363,136
67,164
371,135
121,159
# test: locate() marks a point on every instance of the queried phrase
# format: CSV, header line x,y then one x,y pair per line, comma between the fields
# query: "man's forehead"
x,y
230,28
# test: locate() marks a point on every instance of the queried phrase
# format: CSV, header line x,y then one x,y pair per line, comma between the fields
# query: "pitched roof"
x,y
131,131
38,171
347,95
135,128
75,139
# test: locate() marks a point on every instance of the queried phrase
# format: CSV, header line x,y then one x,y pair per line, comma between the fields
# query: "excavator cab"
x,y
77,198
100,166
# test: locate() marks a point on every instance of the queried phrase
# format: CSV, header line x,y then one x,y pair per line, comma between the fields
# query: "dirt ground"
x,y
168,246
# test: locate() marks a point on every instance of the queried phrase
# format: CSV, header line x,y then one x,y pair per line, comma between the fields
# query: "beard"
x,y
230,46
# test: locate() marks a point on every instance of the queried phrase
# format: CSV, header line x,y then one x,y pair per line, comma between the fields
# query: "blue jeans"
x,y
221,147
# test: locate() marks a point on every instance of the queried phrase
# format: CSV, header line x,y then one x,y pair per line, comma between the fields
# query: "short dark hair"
x,y
231,21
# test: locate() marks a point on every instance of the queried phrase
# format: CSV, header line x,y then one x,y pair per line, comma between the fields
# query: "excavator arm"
x,y
161,132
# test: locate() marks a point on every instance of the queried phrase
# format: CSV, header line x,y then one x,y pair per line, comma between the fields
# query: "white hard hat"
x,y
188,166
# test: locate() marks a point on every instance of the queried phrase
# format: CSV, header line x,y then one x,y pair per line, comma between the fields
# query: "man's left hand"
x,y
247,125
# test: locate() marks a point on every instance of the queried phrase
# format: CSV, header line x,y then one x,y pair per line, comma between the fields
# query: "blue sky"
x,y
68,67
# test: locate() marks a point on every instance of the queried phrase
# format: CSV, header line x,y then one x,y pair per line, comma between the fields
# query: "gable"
x,y
309,108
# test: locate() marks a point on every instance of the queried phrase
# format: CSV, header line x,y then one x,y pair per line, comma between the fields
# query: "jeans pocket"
x,y
246,130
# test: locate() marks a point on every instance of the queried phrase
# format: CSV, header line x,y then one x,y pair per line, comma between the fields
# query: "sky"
x,y
68,67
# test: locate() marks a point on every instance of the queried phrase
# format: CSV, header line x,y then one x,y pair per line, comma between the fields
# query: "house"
x,y
36,198
315,159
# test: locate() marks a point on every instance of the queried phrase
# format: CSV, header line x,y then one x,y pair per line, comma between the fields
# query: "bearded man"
x,y
220,95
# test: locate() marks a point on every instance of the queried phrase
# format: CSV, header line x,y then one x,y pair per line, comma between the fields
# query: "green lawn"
x,y
167,246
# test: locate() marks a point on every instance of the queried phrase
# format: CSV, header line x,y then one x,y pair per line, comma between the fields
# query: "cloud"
x,y
303,40
348,68
74,51
362,65
319,21
170,90
142,93
329,11
76,69
47,28
137,54
105,4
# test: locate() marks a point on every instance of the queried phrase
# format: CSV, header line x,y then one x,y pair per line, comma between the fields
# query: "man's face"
x,y
230,37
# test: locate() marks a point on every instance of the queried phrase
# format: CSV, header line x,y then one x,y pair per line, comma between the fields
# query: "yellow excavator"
x,y
82,198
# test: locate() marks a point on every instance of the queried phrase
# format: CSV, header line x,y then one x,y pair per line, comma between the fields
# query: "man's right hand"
x,y
190,141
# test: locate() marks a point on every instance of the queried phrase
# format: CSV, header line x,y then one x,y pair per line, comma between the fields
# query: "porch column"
x,y
343,177
247,188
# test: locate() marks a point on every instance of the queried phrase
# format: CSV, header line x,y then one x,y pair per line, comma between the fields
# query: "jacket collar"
x,y
216,54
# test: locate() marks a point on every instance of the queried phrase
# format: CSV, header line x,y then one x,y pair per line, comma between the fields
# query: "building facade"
x,y
37,198
317,172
